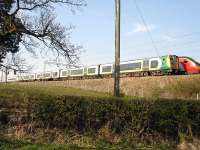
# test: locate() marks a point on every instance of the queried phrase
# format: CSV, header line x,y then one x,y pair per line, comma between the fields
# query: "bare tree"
x,y
32,23
15,63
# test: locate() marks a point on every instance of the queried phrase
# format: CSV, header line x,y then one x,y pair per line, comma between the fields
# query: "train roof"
x,y
138,59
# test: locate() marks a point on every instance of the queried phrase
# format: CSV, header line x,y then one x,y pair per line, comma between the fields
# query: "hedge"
x,y
167,118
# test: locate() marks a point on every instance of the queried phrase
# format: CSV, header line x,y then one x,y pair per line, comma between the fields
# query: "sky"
x,y
173,24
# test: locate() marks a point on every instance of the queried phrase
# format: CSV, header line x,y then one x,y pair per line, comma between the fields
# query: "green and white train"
x,y
163,65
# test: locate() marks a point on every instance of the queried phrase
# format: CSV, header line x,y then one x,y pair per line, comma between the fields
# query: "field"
x,y
52,116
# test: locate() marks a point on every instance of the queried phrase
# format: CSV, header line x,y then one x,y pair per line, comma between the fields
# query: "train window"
x,y
106,68
137,66
47,75
32,77
15,72
26,77
77,72
64,73
154,64
91,70
55,74
131,66
38,76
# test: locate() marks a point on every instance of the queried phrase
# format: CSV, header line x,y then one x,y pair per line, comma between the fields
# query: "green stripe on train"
x,y
166,65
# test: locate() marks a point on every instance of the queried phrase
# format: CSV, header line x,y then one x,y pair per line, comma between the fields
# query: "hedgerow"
x,y
166,118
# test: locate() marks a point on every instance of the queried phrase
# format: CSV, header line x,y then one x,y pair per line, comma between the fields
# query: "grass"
x,y
6,144
50,90
13,90
170,87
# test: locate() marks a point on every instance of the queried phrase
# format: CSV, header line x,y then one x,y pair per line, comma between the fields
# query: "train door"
x,y
145,66
174,62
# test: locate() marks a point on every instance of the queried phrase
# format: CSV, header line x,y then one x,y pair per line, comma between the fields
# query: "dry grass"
x,y
179,87
192,145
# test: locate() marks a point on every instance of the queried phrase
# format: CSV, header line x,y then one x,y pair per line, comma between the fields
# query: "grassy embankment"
x,y
79,119
171,87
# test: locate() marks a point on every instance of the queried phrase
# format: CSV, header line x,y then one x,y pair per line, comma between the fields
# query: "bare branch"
x,y
41,26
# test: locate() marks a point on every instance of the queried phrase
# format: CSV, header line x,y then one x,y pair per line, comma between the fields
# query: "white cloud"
x,y
140,28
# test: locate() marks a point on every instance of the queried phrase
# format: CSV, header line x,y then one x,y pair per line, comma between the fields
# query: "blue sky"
x,y
174,25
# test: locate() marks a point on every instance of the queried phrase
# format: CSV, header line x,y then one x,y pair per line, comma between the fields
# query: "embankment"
x,y
171,87
27,112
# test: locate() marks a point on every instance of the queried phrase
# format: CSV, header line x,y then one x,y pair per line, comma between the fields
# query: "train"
x,y
154,66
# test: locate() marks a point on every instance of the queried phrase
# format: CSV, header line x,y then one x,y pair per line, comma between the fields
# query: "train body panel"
x,y
170,64
155,64
166,65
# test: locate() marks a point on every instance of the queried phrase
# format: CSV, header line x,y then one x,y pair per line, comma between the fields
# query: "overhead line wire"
x,y
145,24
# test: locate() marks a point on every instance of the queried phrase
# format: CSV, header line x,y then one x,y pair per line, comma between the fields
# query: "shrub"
x,y
3,118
